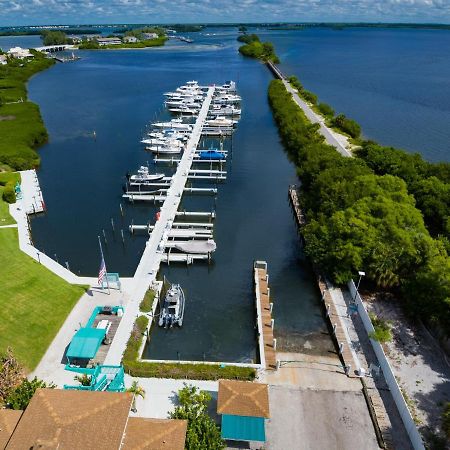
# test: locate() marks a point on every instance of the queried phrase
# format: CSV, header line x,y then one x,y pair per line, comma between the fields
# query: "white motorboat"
x,y
172,310
225,110
181,135
184,109
164,149
226,99
169,140
220,121
188,101
173,124
144,176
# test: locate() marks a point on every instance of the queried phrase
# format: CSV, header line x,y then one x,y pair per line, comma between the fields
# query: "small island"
x,y
254,48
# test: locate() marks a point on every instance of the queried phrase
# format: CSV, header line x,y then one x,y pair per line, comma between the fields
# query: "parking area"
x,y
318,419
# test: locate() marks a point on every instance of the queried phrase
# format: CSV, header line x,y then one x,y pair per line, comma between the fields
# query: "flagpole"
x,y
103,259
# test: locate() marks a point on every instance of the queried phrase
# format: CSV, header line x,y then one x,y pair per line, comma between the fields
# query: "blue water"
x,y
7,42
116,93
395,83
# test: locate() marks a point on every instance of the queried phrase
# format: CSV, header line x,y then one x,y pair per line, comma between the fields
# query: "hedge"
x,y
134,367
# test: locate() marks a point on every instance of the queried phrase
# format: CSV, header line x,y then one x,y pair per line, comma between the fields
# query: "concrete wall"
x,y
402,407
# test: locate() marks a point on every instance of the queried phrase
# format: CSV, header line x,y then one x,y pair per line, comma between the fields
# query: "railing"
x,y
402,407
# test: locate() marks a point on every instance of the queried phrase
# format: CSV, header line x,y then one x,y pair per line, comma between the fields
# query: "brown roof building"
x,y
8,422
155,434
67,419
243,398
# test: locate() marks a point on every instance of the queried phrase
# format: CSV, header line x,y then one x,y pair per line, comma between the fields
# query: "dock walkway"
x,y
154,253
264,312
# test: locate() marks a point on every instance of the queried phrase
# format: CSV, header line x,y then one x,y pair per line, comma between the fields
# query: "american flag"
x,y
102,272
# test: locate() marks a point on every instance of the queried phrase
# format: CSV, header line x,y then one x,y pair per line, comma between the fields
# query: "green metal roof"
x,y
85,343
243,428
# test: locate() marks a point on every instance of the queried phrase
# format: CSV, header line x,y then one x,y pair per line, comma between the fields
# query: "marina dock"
x,y
267,343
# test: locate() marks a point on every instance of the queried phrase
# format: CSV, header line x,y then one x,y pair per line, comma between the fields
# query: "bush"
x,y
309,96
382,331
9,195
326,109
347,125
22,394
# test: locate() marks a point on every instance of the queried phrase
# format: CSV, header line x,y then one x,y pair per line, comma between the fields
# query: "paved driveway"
x,y
317,420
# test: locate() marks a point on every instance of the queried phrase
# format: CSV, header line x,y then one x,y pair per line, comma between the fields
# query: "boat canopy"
x,y
85,343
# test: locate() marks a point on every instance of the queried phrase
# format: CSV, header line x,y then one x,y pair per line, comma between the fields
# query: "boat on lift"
x,y
143,175
172,310
212,155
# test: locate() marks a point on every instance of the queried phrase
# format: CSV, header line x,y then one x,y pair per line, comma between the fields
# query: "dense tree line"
x,y
428,183
50,37
359,218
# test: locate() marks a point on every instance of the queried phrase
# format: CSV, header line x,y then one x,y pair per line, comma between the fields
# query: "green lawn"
x,y
33,302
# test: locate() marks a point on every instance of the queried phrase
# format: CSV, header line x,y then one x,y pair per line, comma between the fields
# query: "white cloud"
x,y
140,11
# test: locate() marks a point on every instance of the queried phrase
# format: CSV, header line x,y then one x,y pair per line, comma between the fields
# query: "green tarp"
x,y
243,428
85,343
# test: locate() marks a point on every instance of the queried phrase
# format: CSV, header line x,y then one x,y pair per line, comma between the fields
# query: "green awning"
x,y
243,428
85,343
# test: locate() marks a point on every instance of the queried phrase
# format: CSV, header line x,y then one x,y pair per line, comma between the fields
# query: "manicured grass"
x,y
33,302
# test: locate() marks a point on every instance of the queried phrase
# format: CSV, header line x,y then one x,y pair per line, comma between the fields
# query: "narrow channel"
x,y
116,94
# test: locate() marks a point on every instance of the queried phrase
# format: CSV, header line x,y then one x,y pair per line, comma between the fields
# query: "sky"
x,y
41,12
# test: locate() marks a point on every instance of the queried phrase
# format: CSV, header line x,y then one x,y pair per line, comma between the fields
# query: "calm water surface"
x,y
116,93
395,83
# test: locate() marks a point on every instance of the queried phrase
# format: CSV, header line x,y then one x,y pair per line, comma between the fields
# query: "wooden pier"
x,y
267,343
293,197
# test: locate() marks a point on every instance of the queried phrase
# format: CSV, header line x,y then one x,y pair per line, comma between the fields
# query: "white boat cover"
x,y
208,246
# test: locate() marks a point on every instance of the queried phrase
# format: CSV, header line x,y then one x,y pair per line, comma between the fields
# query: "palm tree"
x,y
136,390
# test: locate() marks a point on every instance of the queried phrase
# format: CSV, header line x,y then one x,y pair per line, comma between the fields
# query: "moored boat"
x,y
144,176
172,310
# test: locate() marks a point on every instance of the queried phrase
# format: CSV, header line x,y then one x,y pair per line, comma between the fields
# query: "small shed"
x,y
85,343
244,407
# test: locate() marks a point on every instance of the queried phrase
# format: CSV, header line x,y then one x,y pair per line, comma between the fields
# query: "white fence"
x,y
402,407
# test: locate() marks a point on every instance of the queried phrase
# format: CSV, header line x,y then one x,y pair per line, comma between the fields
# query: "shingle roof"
x,y
8,421
155,434
73,420
243,398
